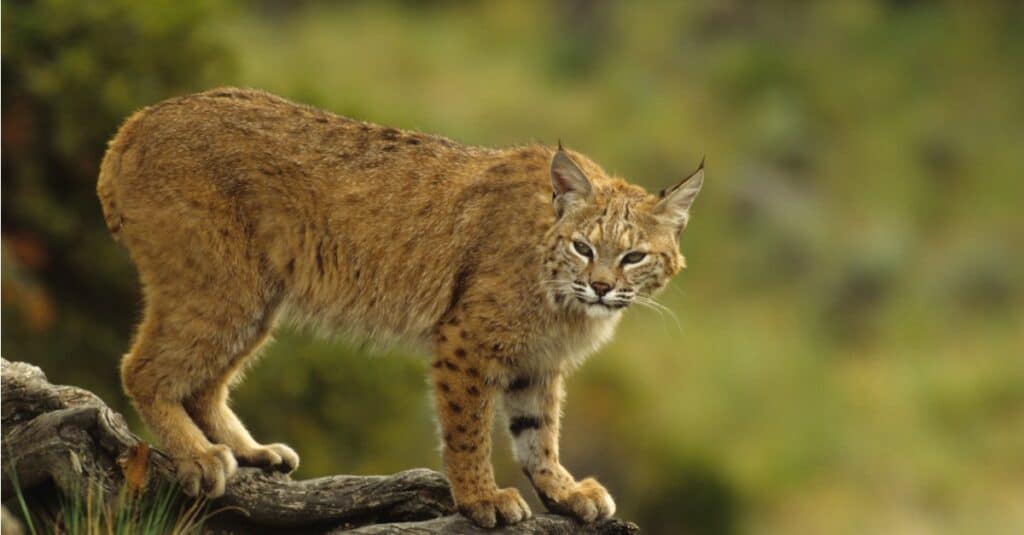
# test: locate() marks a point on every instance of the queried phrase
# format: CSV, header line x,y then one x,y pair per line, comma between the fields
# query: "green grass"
x,y
163,511
128,515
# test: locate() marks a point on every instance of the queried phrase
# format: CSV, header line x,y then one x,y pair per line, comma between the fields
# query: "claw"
x,y
206,472
505,506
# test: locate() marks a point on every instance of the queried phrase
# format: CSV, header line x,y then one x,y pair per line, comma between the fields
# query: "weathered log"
x,y
546,523
67,436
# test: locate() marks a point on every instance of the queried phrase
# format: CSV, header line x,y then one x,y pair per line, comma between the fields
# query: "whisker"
x,y
651,303
670,313
661,315
679,291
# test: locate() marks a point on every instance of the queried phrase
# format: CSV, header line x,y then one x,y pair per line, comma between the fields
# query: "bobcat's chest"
x,y
565,345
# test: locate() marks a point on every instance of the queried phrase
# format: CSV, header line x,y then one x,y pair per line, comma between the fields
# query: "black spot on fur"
x,y
460,428
412,141
390,148
459,286
501,169
390,134
522,423
473,391
320,259
461,353
444,387
519,383
473,372
455,407
437,364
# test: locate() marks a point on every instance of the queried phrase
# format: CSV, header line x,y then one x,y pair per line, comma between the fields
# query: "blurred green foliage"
x,y
846,355
72,71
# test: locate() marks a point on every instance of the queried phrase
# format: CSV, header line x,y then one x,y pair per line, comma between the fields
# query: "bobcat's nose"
x,y
601,288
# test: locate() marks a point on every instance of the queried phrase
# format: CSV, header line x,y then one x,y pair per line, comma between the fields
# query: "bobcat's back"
x,y
346,223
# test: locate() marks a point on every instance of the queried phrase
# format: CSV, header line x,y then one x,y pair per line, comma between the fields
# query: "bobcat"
x,y
239,207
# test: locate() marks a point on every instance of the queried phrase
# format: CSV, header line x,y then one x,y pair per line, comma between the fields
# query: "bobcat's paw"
x,y
278,457
505,506
587,500
206,472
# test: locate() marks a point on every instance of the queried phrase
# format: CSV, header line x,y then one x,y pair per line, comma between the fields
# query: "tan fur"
x,y
237,206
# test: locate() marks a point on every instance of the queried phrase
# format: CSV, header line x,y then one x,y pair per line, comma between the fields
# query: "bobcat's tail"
x,y
110,175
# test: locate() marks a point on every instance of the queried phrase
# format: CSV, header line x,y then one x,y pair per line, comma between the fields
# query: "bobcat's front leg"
x,y
465,407
533,406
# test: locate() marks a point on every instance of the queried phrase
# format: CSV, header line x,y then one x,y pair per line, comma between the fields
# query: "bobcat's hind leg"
x,y
164,366
178,373
209,408
213,415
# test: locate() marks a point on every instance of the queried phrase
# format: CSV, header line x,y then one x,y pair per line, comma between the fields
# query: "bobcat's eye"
x,y
582,248
633,258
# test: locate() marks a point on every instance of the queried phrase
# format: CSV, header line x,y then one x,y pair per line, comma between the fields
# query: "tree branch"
x,y
67,436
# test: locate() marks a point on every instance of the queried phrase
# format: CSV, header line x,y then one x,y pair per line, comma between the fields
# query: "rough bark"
x,y
66,436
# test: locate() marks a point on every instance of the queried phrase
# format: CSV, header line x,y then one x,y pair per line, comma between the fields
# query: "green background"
x,y
846,352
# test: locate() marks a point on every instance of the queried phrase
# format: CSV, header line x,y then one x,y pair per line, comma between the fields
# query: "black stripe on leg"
x,y
522,423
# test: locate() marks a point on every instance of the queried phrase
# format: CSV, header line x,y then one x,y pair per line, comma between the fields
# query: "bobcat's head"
x,y
613,243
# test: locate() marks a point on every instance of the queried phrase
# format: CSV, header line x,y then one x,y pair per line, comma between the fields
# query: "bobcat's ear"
x,y
674,206
569,186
